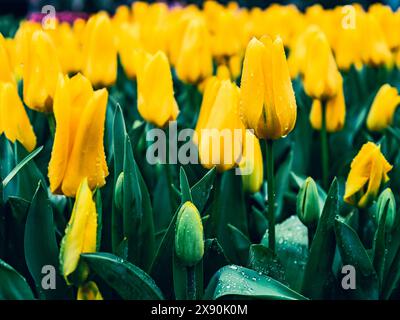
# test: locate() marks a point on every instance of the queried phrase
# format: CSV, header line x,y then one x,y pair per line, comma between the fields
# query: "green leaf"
x,y
214,258
40,244
202,189
185,188
20,165
318,272
241,244
291,249
234,281
262,259
229,208
392,269
129,281
353,253
13,286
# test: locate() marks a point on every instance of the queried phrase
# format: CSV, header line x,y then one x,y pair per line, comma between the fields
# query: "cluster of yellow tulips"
x,y
246,63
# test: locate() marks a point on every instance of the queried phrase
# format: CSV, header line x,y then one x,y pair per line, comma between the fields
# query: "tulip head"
x,y
321,79
100,51
78,149
156,101
219,130
6,72
368,172
14,121
80,236
41,72
251,164
267,102
195,61
189,237
308,207
386,202
383,108
335,112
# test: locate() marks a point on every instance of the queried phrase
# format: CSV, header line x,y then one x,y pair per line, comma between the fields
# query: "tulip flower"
x,y
308,206
383,108
89,291
6,72
386,202
267,102
195,61
156,102
321,80
80,236
335,112
189,237
14,121
100,51
252,161
40,73
128,45
78,150
368,172
219,130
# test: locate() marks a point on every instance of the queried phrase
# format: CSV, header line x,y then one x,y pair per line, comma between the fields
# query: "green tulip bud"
x,y
308,208
119,192
386,199
189,238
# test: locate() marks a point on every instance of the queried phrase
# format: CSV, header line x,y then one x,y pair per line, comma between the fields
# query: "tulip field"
x,y
180,152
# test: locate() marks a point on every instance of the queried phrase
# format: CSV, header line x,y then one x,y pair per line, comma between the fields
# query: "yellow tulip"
x,y
219,130
235,65
383,108
252,161
195,61
267,102
223,72
128,44
156,102
78,150
298,53
89,291
6,72
14,121
335,112
321,80
368,172
40,72
100,51
80,234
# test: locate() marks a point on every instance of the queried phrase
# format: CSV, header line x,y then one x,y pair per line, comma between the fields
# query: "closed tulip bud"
x,y
128,44
298,53
6,72
78,149
119,191
14,121
335,112
195,61
235,65
387,202
80,236
383,108
308,208
368,172
267,102
321,80
100,51
251,165
189,237
156,101
219,130
223,72
40,72
89,291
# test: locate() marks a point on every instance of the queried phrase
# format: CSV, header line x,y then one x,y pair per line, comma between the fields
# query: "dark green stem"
x,y
324,147
52,124
191,283
271,194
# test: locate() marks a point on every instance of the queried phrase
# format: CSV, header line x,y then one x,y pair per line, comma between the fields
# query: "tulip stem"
x,y
271,194
324,147
191,283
